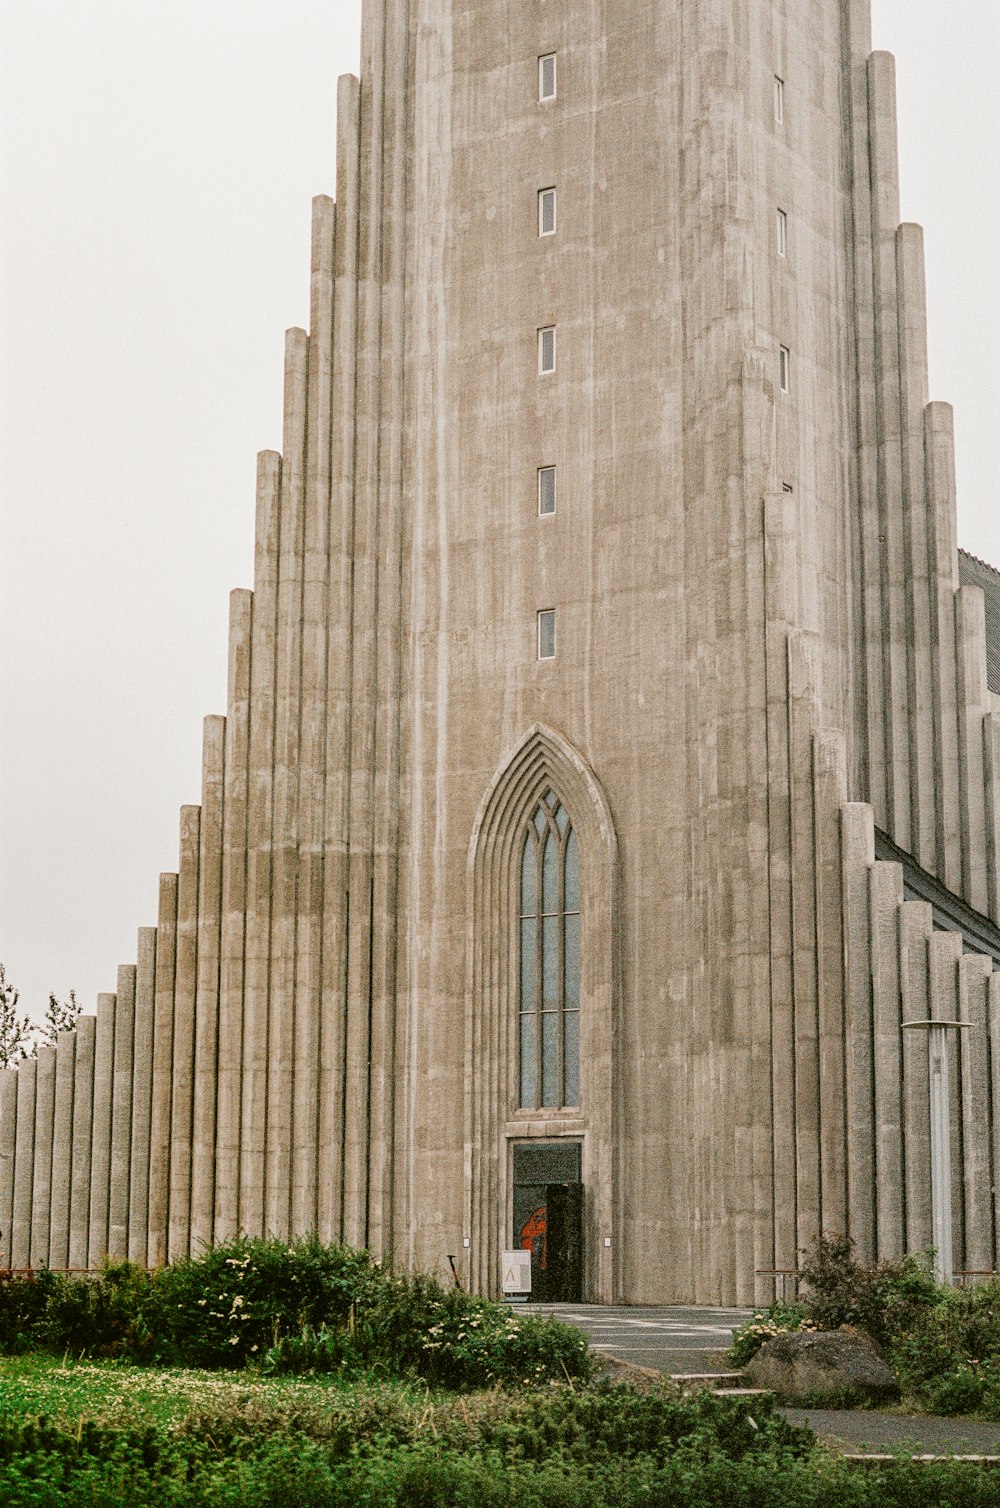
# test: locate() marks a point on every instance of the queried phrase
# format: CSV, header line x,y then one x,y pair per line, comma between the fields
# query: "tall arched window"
x,y
549,1015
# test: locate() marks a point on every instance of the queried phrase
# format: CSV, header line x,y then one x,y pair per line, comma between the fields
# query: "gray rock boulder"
x,y
823,1366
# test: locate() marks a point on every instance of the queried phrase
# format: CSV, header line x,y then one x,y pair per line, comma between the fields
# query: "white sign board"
x,y
515,1270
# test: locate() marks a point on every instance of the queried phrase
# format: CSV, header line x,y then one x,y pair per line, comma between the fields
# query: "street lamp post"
x,y
940,1107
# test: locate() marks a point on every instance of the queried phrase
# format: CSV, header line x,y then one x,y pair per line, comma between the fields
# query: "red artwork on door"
x,y
533,1235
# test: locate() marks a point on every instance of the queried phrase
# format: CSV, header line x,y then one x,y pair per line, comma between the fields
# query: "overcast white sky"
x,y
158,160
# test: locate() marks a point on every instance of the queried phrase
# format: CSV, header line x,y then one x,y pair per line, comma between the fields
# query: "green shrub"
x,y
762,1326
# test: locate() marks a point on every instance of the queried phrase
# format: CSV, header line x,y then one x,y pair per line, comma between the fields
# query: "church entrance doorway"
x,y
548,1217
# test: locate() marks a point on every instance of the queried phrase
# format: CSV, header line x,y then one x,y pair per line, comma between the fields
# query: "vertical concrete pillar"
x,y
312,757
335,903
885,219
886,898
944,951
121,1114
287,748
233,943
62,1150
830,767
939,463
182,1078
803,676
41,1190
206,1046
83,1134
253,1133
858,855
8,1144
993,1005
973,700
991,778
163,1057
912,321
142,1095
100,1145
974,973
387,1012
915,927
24,1163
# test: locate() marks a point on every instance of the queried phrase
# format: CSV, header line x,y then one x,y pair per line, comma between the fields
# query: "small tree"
x,y
16,1032
60,1016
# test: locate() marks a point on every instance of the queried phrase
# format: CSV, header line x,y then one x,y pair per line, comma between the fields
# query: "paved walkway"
x,y
675,1339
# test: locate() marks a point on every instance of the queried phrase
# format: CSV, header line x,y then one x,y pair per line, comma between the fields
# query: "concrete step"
x,y
690,1381
743,1392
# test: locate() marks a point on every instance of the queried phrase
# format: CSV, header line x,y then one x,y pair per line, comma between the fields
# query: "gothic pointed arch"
x,y
542,777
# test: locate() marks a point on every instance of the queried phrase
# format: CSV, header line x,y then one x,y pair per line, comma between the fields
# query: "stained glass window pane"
x,y
571,1058
529,1066
550,962
571,982
541,825
550,1058
550,875
529,877
572,873
528,964
561,818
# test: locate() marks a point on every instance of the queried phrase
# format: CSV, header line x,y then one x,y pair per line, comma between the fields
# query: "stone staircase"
x,y
725,1384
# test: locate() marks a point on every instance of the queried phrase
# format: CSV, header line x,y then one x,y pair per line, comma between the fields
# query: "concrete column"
x,y
62,1150
388,1015
206,1047
973,702
912,321
182,1079
121,1114
41,1191
83,1130
100,1145
886,898
142,1095
939,462
803,677
312,760
234,897
335,904
163,1057
993,999
858,855
8,1143
915,927
944,953
830,777
287,749
974,973
24,1164
991,778
259,845
885,219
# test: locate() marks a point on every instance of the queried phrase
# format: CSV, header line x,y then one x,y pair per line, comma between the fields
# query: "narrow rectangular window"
x,y
547,634
547,349
784,368
547,76
782,230
546,490
779,99
547,212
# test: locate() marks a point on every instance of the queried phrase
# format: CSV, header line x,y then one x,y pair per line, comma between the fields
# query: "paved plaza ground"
x,y
675,1339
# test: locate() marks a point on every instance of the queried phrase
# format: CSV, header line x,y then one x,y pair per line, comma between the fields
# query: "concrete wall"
x,y
759,627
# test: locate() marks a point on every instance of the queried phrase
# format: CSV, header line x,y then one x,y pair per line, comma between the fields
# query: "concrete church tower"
x,y
611,765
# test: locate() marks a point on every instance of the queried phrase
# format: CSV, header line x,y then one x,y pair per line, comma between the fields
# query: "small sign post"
x,y
515,1274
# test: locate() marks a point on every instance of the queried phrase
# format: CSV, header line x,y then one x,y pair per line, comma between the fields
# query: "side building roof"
x,y
975,572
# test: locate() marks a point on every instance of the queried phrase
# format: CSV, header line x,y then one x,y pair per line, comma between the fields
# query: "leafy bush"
x,y
882,1301
763,1326
294,1306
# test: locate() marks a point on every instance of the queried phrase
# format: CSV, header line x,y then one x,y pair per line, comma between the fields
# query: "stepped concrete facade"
x,y
611,763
